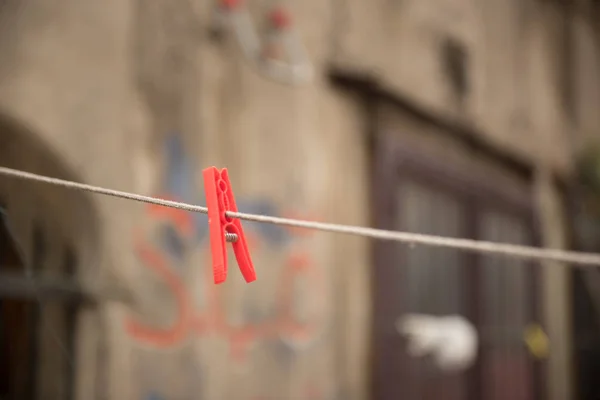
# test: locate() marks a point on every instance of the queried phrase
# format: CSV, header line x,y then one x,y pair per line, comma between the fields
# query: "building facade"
x,y
458,118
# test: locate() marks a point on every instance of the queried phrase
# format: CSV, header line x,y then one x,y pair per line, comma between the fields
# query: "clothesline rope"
x,y
516,251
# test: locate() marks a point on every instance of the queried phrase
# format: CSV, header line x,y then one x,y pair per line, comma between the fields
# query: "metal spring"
x,y
231,237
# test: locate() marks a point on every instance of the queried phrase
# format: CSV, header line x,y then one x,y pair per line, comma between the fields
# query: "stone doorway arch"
x,y
57,233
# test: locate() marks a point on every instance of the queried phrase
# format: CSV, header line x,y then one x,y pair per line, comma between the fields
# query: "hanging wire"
x,y
517,251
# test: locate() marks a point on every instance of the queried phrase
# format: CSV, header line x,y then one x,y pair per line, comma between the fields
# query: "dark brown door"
x,y
14,348
413,194
15,325
507,309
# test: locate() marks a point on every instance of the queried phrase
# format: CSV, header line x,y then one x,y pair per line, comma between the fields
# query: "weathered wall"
x,y
113,89
135,95
63,222
65,77
515,98
300,330
511,47
585,75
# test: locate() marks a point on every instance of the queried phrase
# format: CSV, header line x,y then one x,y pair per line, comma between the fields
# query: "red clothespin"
x,y
219,200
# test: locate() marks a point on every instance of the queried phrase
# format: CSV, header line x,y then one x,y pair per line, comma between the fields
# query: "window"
x,y
507,309
17,330
434,273
71,313
24,322
454,58
38,258
9,254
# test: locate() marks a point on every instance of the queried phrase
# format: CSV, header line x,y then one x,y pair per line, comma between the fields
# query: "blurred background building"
x,y
461,118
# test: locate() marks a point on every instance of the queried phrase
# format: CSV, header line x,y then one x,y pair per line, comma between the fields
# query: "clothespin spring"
x,y
231,237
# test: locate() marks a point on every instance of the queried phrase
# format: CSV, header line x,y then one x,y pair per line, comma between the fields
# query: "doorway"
x,y
421,194
17,334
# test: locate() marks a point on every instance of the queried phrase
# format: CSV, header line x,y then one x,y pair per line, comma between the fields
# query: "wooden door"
x,y
15,326
416,194
507,309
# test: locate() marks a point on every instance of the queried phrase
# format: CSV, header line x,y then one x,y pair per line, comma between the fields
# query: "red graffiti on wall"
x,y
311,392
190,322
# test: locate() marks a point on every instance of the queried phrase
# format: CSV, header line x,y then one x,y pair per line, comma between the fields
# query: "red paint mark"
x,y
253,241
280,18
311,392
298,231
230,4
272,51
190,322
177,332
181,219
298,263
